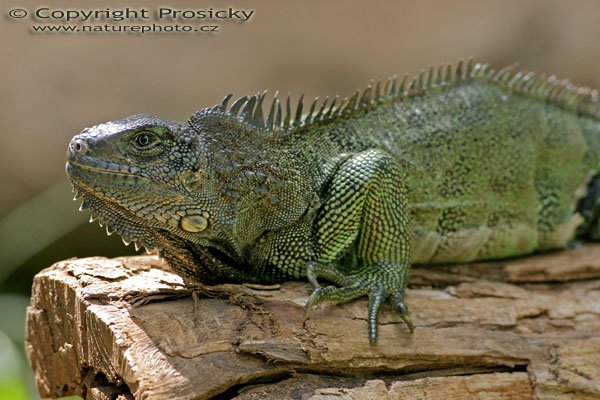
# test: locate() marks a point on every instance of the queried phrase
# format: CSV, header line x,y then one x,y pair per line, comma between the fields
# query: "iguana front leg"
x,y
364,211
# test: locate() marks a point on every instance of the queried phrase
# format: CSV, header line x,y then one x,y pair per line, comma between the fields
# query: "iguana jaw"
x,y
86,171
87,174
114,219
100,166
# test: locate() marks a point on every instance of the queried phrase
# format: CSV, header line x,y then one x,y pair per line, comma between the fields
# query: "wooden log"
x,y
128,328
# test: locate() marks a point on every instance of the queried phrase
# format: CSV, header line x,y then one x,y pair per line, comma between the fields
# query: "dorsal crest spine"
x,y
550,89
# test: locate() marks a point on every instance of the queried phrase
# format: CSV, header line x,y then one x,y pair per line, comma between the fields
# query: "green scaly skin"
x,y
456,165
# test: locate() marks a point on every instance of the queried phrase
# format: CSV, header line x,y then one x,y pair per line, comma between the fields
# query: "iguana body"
x,y
455,166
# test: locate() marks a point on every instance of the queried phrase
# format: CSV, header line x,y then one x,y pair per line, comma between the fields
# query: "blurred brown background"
x,y
55,84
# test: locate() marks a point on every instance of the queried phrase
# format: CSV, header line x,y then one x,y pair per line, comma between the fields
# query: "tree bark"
x,y
128,328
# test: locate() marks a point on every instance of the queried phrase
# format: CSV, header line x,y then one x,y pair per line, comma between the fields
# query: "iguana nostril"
x,y
78,147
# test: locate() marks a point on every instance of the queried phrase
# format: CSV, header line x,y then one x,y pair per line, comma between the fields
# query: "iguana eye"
x,y
144,140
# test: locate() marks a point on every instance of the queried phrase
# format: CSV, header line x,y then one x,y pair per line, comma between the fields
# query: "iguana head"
x,y
226,176
143,173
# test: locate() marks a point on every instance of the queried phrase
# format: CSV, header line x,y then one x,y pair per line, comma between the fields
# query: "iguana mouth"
x,y
101,166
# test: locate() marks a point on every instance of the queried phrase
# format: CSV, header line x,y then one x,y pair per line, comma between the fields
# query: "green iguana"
x,y
456,165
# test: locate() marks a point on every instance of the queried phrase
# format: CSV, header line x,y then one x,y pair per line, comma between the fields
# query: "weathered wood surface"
x,y
127,328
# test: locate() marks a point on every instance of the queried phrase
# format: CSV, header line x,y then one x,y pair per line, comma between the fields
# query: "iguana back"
x,y
492,174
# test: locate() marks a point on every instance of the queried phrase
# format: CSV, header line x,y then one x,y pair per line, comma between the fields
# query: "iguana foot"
x,y
373,282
